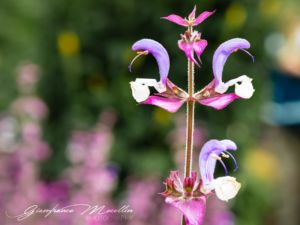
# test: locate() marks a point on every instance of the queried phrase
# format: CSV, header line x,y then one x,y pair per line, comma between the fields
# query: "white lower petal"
x,y
140,92
140,88
226,187
245,88
146,81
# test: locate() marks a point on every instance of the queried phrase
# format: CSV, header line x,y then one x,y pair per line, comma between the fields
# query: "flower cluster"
x,y
23,149
169,96
190,195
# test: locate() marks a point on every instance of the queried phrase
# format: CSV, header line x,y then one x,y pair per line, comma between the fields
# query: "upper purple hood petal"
x,y
160,54
223,52
207,163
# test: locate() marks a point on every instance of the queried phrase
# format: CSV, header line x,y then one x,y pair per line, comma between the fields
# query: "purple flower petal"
x,y
170,104
203,16
176,19
219,102
223,52
188,50
192,209
207,161
159,53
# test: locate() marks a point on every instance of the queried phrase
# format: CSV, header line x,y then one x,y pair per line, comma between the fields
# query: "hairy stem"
x,y
190,118
190,121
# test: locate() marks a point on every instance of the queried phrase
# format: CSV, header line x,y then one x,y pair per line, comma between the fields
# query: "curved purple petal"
x,y
176,19
223,52
192,209
207,162
159,53
219,102
203,16
170,104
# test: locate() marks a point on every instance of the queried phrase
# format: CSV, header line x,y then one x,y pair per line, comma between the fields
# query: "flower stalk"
x,y
190,117
190,194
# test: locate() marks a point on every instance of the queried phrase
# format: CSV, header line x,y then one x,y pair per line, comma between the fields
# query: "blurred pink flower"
x,y
30,106
140,198
28,76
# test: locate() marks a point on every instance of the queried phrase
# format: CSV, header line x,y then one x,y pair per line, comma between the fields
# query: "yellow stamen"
x,y
225,155
142,52
215,156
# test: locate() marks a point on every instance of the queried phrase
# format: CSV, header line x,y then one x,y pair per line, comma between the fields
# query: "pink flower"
x,y
186,197
30,106
168,96
191,20
191,40
214,94
190,195
190,43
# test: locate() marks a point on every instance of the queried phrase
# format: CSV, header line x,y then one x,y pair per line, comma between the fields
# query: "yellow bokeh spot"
x,y
270,8
162,117
262,164
68,43
236,15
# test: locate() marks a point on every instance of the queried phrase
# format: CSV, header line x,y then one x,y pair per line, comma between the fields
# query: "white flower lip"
x,y
139,92
221,88
145,81
226,187
140,88
243,87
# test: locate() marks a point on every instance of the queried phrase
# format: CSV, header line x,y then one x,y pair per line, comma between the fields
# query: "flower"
x,y
191,20
186,197
192,42
169,96
190,195
213,94
225,187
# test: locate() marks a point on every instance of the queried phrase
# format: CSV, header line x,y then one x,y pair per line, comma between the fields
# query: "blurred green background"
x,y
83,49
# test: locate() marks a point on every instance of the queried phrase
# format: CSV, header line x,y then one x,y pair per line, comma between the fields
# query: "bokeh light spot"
x,y
68,43
236,15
